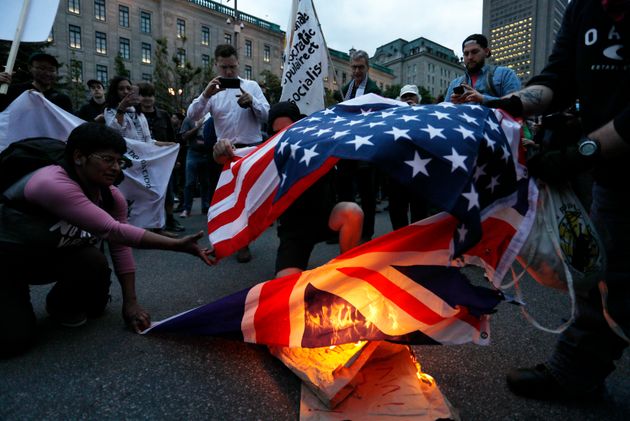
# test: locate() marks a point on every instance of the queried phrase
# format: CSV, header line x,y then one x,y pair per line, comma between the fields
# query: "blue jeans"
x,y
586,351
197,170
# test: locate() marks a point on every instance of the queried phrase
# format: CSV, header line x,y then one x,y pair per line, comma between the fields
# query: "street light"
x,y
238,24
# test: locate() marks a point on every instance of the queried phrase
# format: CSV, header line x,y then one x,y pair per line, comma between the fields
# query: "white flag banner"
x,y
305,61
38,23
144,187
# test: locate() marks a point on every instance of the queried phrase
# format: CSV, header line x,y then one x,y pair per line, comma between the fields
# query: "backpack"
x,y
25,156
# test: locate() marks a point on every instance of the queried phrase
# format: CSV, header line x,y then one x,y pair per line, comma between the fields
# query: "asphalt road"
x,y
102,371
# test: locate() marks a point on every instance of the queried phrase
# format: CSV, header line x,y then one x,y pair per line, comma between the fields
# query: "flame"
x,y
423,377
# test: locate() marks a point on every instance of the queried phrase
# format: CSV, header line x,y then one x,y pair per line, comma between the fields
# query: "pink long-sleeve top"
x,y
52,189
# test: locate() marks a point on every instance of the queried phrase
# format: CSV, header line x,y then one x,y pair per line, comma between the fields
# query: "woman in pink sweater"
x,y
51,230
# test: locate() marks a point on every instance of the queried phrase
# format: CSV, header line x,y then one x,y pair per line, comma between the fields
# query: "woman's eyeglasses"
x,y
110,160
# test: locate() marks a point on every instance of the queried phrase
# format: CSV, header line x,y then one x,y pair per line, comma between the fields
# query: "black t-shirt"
x,y
91,110
54,96
590,62
160,125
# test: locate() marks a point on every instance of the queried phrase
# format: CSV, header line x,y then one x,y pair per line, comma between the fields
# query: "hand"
x,y
245,100
189,245
223,151
136,317
5,78
132,98
469,95
212,88
558,166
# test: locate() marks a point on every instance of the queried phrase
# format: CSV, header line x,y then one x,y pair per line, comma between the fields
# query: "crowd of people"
x,y
589,64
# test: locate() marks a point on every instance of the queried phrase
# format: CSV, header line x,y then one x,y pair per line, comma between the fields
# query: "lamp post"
x,y
238,25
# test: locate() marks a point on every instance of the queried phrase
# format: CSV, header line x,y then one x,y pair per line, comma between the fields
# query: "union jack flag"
x,y
404,286
458,158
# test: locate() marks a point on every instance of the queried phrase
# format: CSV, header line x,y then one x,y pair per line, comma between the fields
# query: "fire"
x,y
423,377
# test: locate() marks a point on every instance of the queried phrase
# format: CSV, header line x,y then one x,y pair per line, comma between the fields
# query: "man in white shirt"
x,y
238,108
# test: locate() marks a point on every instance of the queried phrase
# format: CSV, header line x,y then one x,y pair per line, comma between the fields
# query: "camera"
x,y
458,90
230,82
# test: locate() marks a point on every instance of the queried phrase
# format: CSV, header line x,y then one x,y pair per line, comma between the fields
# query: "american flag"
x,y
404,286
401,287
459,158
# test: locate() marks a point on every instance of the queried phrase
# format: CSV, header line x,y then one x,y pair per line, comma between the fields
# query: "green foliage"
x,y
73,83
329,97
271,86
119,67
177,83
392,91
427,98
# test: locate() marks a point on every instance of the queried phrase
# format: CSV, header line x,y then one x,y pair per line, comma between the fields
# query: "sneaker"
x,y
538,383
67,319
184,214
244,255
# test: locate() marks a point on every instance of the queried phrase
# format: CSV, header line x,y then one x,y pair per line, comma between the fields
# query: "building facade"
x,y
420,62
522,32
90,34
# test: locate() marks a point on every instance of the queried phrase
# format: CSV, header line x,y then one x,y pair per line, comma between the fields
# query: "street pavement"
x,y
101,371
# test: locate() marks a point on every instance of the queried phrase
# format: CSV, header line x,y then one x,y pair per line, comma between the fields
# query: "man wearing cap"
x,y
482,82
43,68
96,105
410,95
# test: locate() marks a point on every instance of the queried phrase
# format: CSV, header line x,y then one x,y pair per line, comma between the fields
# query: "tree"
x,y
119,67
73,82
271,86
176,82
392,91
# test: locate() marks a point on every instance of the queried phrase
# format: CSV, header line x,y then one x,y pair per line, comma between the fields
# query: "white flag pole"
x,y
15,45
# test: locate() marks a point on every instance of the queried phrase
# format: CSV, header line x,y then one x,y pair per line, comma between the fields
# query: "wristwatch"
x,y
588,147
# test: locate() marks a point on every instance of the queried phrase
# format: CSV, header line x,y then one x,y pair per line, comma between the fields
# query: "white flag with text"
x,y
305,61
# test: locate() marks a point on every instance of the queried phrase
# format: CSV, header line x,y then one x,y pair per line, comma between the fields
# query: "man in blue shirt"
x,y
482,82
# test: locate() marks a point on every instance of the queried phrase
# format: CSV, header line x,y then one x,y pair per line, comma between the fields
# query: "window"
x,y
248,48
99,10
123,16
181,28
101,42
228,38
205,35
101,74
75,36
267,54
147,77
205,60
74,6
76,71
124,48
146,53
145,22
181,57
248,72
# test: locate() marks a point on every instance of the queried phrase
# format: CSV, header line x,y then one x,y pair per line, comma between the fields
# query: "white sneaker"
x,y
184,214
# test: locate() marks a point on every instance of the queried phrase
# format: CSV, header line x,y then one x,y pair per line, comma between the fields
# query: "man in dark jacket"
x,y
96,104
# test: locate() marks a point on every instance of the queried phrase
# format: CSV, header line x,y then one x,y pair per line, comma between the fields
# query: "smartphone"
x,y
458,90
230,82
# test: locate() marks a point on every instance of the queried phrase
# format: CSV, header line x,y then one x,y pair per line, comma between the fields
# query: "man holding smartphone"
x,y
238,107
482,82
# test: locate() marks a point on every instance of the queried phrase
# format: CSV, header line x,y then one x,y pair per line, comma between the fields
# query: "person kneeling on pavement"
x,y
52,225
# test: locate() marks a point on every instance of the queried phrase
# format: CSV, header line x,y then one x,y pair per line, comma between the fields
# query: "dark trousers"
x,y
358,177
82,279
401,203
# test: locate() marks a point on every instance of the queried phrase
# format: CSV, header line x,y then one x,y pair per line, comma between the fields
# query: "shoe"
x,y
244,255
538,383
173,225
179,208
184,214
68,319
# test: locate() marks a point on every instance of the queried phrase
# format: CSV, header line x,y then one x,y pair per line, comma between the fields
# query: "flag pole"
x,y
15,45
330,62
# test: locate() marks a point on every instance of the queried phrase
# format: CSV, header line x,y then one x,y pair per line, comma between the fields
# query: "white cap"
x,y
410,89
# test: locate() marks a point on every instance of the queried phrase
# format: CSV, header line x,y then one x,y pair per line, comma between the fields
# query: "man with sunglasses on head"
x,y
43,68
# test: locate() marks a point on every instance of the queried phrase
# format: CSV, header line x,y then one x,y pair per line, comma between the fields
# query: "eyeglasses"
x,y
123,163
